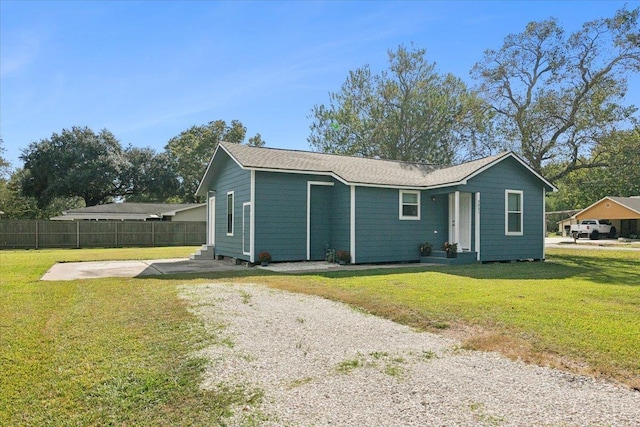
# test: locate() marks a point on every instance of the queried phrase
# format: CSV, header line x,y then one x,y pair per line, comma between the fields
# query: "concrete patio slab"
x,y
158,267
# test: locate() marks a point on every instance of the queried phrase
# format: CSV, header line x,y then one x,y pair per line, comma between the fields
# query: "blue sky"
x,y
149,70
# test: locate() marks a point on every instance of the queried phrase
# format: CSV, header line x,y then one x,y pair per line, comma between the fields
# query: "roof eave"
x,y
199,190
506,155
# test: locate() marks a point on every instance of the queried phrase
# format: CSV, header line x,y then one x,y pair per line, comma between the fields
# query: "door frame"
x,y
309,184
458,216
211,221
245,205
464,234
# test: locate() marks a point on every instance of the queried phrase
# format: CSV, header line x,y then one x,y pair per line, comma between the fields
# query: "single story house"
x,y
137,212
297,204
623,212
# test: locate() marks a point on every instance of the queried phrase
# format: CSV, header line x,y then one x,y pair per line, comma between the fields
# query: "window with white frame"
x,y
409,204
230,213
513,213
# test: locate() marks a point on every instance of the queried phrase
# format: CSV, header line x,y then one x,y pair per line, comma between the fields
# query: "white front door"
x,y
460,220
465,222
211,222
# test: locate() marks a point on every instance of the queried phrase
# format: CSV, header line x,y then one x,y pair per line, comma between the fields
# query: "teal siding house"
x,y
297,204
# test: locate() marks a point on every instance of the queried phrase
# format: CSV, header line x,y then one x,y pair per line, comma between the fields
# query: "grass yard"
x,y
120,351
103,351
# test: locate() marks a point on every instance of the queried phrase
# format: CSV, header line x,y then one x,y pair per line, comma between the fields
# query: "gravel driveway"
x,y
322,363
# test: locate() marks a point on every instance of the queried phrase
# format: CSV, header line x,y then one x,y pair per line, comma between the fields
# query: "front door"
x,y
211,226
460,220
465,221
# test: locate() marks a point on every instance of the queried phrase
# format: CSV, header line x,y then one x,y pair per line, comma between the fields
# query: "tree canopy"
x,y
190,152
76,162
148,176
18,206
4,164
555,96
93,166
409,112
583,187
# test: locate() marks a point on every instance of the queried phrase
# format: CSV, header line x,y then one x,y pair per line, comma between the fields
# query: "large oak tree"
x,y
556,95
78,162
75,162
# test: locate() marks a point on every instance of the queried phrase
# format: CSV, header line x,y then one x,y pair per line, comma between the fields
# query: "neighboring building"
x,y
623,212
296,204
138,212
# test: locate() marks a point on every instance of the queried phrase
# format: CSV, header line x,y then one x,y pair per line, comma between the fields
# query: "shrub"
x,y
343,256
425,249
264,256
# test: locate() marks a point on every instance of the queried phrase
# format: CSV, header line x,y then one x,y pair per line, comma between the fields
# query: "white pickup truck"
x,y
593,229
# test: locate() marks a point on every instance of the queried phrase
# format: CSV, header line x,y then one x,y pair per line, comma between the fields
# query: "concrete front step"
x,y
440,257
204,253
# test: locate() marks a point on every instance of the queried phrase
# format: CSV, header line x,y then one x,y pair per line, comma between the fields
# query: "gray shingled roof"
x,y
135,208
356,170
137,211
632,203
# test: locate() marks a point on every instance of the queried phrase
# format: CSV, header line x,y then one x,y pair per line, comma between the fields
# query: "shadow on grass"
x,y
212,274
604,269
609,270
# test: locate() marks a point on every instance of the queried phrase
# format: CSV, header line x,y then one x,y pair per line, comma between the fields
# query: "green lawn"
x,y
120,351
102,351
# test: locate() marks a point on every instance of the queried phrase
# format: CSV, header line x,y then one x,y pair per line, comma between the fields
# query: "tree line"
x,y
79,167
555,99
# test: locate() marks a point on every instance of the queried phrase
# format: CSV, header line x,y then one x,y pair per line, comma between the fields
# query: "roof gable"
x,y
357,170
612,208
632,203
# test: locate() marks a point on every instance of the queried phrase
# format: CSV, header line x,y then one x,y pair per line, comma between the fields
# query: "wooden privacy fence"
x,y
37,234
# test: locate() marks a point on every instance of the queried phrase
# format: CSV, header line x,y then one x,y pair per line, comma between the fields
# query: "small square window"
x,y
409,205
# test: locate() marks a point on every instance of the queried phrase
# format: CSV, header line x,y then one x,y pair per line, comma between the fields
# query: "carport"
x,y
623,212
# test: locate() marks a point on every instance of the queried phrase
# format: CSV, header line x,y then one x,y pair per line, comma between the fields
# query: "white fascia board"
x,y
206,172
188,208
297,171
519,160
357,184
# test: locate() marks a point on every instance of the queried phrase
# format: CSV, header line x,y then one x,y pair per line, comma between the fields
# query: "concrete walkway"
x,y
157,267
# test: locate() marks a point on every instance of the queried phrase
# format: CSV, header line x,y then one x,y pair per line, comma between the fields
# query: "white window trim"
x,y
233,216
400,204
506,213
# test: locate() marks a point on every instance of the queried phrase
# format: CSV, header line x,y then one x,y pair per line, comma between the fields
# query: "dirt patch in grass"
x,y
479,338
